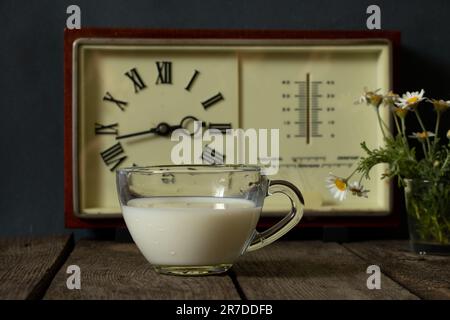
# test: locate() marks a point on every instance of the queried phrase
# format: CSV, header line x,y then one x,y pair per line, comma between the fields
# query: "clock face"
x,y
129,94
129,101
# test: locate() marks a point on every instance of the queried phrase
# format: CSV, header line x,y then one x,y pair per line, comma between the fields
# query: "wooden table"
x,y
36,269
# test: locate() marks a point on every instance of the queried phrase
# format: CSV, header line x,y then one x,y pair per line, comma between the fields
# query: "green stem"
x,y
360,179
404,133
416,210
401,131
436,130
388,130
423,148
380,123
445,164
386,126
438,229
424,130
397,125
351,174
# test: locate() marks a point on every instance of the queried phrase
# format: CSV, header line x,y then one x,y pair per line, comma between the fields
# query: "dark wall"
x,y
31,74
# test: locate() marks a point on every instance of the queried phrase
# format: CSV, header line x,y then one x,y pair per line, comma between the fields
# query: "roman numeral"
x,y
212,101
164,72
211,156
112,156
106,129
121,104
191,82
167,178
222,127
138,83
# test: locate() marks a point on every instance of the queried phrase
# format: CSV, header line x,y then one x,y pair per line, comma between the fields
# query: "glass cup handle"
x,y
275,232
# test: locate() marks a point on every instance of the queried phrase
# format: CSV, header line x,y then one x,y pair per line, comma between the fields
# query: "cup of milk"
x,y
198,219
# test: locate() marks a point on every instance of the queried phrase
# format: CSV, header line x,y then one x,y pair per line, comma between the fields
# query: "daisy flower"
x,y
357,189
337,186
400,112
421,136
410,100
370,97
390,99
440,105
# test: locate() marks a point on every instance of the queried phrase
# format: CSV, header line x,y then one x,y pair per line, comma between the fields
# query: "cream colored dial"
x,y
124,92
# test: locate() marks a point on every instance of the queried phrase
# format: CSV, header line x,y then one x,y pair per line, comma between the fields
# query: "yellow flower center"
x,y
401,112
412,100
340,184
374,99
422,135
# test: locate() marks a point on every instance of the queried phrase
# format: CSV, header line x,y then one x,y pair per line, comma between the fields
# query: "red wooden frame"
x,y
72,221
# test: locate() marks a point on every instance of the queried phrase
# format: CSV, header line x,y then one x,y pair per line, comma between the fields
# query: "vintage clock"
x,y
127,90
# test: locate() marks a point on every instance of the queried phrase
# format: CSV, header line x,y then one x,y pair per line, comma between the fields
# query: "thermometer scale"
x,y
321,128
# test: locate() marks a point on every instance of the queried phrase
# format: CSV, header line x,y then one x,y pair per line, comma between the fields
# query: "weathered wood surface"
x,y
426,276
310,270
283,270
28,265
111,270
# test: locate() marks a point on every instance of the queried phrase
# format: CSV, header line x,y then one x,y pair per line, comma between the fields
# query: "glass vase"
x,y
428,209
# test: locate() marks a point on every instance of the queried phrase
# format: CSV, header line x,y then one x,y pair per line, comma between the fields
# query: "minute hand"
x,y
153,130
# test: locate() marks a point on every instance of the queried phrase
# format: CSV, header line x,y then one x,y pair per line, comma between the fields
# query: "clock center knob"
x,y
163,129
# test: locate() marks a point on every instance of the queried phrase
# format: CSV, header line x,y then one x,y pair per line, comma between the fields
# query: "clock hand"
x,y
162,129
153,130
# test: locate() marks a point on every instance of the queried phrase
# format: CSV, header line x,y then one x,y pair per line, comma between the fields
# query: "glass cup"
x,y
197,220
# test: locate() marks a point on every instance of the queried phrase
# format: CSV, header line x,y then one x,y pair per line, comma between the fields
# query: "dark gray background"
x,y
31,74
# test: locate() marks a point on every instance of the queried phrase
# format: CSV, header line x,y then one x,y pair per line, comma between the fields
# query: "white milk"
x,y
191,231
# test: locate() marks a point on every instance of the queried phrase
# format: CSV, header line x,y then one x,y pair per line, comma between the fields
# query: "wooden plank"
x,y
426,276
27,265
111,270
310,270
